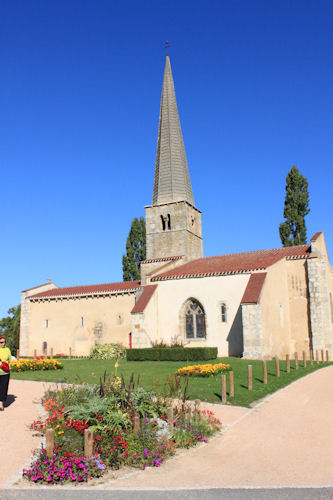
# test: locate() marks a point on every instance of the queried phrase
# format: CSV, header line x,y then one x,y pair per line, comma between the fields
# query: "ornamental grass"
x,y
203,370
22,365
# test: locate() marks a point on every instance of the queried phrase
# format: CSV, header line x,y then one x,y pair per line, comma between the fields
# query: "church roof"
x,y
123,286
253,288
144,298
234,263
172,179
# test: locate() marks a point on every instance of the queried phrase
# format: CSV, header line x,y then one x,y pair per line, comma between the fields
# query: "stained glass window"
x,y
194,321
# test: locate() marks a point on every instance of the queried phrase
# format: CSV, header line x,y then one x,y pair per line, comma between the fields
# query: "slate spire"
x,y
172,180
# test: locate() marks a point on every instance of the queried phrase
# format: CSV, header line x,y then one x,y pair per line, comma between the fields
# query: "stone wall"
x,y
319,293
26,317
252,331
173,229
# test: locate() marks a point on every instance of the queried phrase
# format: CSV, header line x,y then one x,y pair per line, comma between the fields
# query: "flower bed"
x,y
109,411
64,468
21,365
203,370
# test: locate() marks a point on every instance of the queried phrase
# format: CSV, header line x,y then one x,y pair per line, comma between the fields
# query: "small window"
x,y
163,222
169,221
46,323
81,321
223,312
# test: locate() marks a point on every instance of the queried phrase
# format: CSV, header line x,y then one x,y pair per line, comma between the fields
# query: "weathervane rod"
x,y
167,46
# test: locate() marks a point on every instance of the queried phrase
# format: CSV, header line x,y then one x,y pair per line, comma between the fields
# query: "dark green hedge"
x,y
172,354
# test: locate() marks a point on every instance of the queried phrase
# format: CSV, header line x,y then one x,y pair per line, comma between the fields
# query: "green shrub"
x,y
172,354
107,351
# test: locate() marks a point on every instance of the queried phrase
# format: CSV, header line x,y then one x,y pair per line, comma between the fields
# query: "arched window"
x,y
44,348
194,320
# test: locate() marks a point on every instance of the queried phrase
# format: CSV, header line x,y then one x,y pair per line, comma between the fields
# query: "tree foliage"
x,y
10,327
296,207
135,250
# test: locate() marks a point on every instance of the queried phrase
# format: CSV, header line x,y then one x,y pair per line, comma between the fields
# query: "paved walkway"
x,y
287,440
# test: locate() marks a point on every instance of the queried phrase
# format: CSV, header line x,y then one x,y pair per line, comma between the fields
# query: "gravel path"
x,y
286,440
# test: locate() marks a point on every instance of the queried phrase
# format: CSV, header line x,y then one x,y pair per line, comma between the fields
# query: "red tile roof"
x,y
105,288
144,298
161,259
234,263
253,289
316,236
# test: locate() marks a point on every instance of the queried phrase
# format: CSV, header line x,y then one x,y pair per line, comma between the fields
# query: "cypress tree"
x,y
135,250
296,207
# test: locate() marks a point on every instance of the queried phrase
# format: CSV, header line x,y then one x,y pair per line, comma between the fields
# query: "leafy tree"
x,y
296,207
10,327
135,250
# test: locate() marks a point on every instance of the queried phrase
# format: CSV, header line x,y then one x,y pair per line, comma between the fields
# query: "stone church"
x,y
253,304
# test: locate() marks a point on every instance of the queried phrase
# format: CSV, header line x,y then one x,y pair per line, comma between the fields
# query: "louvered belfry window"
x,y
194,320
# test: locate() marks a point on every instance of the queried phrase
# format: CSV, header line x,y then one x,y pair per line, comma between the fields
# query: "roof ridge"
x,y
96,284
252,251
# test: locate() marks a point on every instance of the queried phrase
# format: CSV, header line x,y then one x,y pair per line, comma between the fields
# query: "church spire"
x,y
172,181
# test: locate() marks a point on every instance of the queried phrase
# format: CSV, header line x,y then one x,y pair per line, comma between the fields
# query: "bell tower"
x,y
173,223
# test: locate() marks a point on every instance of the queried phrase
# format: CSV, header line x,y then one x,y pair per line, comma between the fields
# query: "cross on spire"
x,y
167,46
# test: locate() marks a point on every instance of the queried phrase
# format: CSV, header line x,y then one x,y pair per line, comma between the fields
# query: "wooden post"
x,y
170,418
296,361
304,359
326,355
197,405
136,425
49,442
288,363
70,353
224,389
264,369
35,353
311,357
51,354
88,443
317,356
277,366
231,384
18,353
249,373
322,355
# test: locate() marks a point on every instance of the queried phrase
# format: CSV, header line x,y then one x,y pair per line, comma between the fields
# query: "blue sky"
x,y
79,98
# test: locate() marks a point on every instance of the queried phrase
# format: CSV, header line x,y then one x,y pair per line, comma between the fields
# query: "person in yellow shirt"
x,y
6,356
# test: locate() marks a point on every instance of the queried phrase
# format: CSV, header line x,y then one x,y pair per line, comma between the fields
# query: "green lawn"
x,y
154,372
